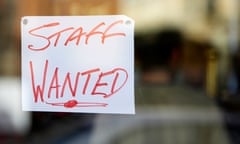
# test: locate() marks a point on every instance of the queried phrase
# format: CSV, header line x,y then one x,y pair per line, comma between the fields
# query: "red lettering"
x,y
39,90
98,84
58,34
105,35
54,84
115,81
68,80
94,32
88,73
76,34
78,37
106,84
31,47
114,89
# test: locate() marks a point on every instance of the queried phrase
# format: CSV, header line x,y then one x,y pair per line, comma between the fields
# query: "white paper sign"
x,y
78,64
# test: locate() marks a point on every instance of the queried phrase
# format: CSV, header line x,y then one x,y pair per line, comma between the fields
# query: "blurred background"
x,y
187,75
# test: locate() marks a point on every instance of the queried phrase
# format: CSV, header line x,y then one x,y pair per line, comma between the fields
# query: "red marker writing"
x,y
75,103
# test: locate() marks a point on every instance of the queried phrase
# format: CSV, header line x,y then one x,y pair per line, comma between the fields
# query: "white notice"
x,y
78,64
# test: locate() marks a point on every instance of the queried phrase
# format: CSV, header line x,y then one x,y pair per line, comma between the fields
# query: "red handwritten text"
x,y
76,34
56,87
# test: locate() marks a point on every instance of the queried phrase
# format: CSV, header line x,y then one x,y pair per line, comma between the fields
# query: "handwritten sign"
x,y
78,64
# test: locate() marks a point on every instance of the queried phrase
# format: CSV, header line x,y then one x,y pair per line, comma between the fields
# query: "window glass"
x,y
186,68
